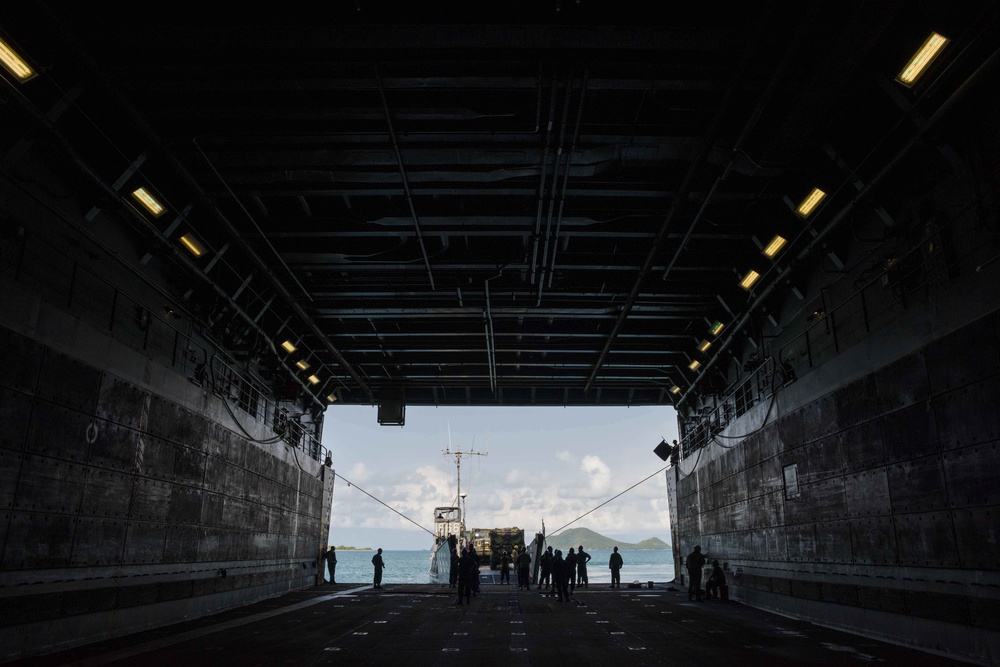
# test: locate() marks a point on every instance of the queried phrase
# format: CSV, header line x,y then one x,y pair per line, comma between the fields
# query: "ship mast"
x,y
458,454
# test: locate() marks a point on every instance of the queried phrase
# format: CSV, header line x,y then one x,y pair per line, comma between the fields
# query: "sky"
x,y
550,464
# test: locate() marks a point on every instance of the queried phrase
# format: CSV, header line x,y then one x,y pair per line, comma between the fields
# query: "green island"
x,y
345,548
574,537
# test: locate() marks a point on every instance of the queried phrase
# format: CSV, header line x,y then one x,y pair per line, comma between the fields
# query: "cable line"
x,y
607,501
350,483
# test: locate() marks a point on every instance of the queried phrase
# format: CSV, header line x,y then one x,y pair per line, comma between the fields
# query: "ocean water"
x,y
411,567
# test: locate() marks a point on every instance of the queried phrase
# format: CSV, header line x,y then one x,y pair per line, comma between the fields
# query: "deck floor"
x,y
414,625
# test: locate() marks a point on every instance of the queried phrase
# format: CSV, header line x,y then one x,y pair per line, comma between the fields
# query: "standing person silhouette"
x,y
615,563
695,564
582,557
546,564
379,566
475,568
331,562
571,571
465,565
559,577
505,569
524,570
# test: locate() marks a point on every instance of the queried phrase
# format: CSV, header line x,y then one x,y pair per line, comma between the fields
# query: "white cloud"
x,y
564,455
598,474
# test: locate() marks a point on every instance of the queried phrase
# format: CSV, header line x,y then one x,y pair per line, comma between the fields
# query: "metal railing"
x,y
901,281
67,283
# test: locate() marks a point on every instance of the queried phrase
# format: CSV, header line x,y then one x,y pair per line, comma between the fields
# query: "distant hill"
x,y
574,537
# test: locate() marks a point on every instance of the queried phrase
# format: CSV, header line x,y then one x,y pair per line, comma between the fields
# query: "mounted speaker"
x,y
663,450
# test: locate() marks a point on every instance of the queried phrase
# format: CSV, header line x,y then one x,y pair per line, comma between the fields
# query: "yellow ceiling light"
x,y
716,328
14,63
302,363
193,244
749,279
289,346
694,365
922,59
675,390
775,246
148,201
810,203
314,379
331,398
704,345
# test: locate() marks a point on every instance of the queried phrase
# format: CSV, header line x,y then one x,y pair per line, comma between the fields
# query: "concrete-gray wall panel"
x,y
174,423
10,470
800,542
181,543
910,431
926,539
15,416
150,500
917,485
819,459
867,493
903,382
144,542
855,404
120,402
873,541
963,471
49,485
112,446
968,416
833,542
863,446
825,500
107,494
977,533
38,540
58,432
98,542
819,419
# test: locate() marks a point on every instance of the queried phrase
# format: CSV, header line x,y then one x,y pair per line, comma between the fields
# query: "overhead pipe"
x,y
151,136
178,255
555,185
686,185
845,212
565,185
543,172
406,183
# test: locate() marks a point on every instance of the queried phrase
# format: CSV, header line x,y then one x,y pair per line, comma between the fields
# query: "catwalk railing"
x,y
894,282
60,279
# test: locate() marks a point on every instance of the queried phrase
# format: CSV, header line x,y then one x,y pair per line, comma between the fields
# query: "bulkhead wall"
x,y
128,499
872,508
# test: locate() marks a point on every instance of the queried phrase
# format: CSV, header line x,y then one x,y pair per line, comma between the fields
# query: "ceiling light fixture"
x,y
922,59
749,279
716,328
775,246
314,379
694,365
810,203
675,390
331,398
302,363
289,346
192,244
148,202
14,63
704,345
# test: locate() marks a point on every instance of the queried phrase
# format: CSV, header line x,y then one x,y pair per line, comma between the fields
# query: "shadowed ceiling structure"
x,y
548,203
